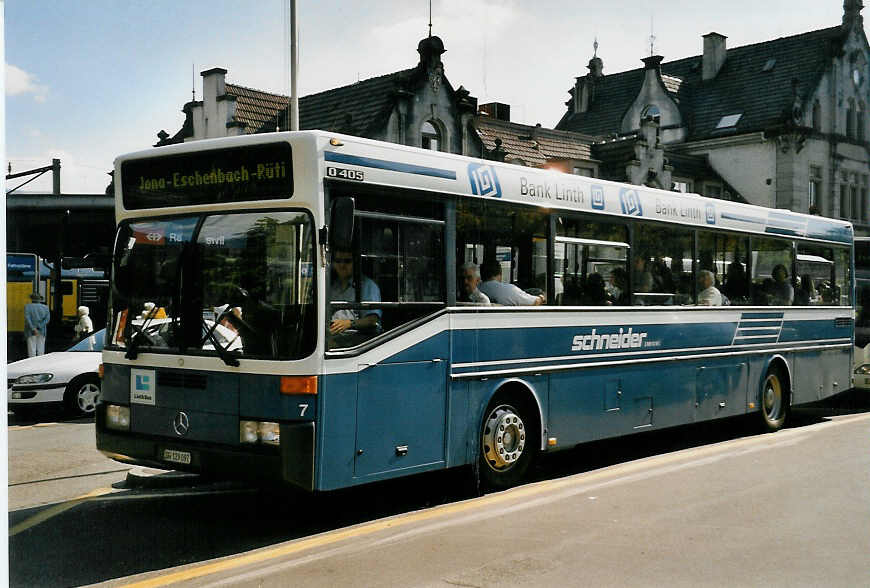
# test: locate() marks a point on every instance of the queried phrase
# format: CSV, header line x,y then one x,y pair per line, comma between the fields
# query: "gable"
x,y
742,85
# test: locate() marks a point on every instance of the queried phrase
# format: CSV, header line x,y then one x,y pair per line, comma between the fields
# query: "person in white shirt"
x,y
470,283
709,295
85,326
506,294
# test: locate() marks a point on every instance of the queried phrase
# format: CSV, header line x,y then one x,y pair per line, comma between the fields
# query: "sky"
x,y
88,80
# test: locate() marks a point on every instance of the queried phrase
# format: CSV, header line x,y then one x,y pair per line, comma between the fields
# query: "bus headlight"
x,y
118,417
266,433
269,433
248,432
863,370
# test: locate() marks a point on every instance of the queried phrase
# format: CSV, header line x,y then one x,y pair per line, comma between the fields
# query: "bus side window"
x,y
662,267
510,238
725,256
772,263
590,262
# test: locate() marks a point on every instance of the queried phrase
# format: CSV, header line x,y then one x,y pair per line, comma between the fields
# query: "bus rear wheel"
x,y
774,400
507,444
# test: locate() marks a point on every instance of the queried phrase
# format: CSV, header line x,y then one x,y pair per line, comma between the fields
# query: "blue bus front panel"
x,y
213,404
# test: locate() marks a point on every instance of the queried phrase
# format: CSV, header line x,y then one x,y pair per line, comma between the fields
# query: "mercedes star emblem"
x,y
181,424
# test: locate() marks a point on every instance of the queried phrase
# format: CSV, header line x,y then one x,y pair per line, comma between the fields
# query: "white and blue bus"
x,y
289,306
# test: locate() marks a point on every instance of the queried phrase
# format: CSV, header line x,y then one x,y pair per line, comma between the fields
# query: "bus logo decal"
x,y
597,197
142,387
711,214
630,202
143,382
484,181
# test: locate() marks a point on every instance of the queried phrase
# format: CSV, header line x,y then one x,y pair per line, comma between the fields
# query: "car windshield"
x,y
235,285
94,342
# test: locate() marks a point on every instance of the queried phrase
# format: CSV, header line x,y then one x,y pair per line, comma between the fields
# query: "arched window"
x,y
817,116
431,138
861,121
652,112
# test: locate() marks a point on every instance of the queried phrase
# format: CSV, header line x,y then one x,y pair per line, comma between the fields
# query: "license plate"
x,y
176,456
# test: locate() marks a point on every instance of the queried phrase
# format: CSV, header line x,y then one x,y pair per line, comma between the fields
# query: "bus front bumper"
x,y
292,463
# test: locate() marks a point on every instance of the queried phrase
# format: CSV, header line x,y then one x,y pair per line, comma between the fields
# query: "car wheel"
x,y
82,395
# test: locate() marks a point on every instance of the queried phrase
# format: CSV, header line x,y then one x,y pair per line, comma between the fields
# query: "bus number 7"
x,y
302,409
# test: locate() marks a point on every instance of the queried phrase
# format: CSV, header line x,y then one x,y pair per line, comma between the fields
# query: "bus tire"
x,y
82,395
774,399
507,442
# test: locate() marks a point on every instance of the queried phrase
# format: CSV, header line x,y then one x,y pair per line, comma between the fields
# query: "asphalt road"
x,y
699,505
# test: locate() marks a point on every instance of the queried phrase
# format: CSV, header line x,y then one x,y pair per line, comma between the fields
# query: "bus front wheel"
x,y
774,400
507,444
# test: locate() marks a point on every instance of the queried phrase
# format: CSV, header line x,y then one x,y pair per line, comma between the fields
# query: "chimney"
x,y
714,55
213,83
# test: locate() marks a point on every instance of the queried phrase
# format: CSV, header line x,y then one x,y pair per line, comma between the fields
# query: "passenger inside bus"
x,y
736,286
470,285
595,293
616,286
499,292
806,293
782,293
709,295
643,278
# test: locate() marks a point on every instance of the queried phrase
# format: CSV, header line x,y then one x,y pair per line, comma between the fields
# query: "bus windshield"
x,y
234,285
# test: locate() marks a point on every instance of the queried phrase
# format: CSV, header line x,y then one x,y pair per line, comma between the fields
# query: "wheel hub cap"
x,y
504,438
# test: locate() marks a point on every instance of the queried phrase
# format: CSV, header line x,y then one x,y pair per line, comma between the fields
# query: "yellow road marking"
x,y
621,470
446,510
55,510
22,427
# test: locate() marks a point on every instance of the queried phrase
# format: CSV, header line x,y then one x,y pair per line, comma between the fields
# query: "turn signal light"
x,y
101,371
298,384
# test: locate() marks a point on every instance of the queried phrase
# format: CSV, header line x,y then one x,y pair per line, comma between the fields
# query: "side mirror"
x,y
341,224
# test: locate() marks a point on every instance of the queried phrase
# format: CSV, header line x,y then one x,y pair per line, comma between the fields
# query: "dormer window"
x,y
729,121
651,112
431,138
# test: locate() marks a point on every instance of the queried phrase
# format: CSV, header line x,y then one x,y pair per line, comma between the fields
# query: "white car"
x,y
70,377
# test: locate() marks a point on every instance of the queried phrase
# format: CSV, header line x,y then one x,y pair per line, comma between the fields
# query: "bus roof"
x,y
390,164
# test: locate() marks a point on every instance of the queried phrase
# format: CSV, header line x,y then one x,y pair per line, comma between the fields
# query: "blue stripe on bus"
x,y
741,218
761,315
406,168
778,231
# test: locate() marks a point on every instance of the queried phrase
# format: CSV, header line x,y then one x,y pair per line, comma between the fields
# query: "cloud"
x,y
19,81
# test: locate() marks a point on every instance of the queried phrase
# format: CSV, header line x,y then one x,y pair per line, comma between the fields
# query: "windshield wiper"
x,y
133,343
221,350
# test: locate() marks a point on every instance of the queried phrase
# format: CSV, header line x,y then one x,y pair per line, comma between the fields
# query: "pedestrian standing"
x,y
85,327
36,316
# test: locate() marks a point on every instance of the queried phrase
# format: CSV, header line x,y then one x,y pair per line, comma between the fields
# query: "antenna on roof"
x,y
595,48
430,18
652,37
192,83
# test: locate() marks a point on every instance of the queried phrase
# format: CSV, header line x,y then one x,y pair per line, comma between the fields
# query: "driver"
x,y
343,289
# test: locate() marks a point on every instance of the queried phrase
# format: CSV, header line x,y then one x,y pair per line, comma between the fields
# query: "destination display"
x,y
256,172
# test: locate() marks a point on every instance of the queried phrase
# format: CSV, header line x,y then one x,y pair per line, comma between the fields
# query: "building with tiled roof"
x,y
416,106
783,122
